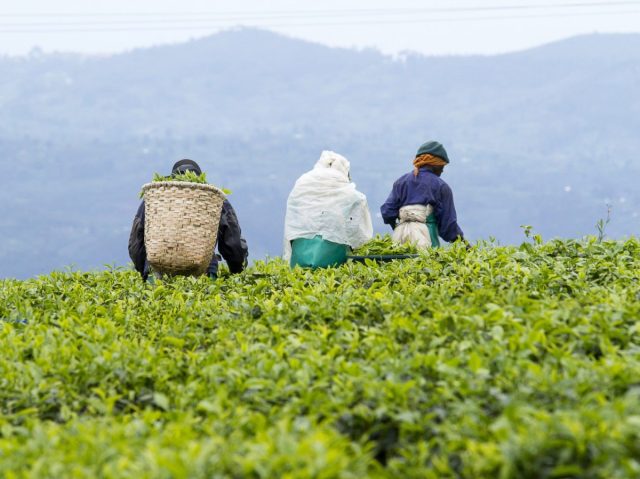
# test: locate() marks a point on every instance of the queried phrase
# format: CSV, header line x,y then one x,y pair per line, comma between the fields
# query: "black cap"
x,y
185,165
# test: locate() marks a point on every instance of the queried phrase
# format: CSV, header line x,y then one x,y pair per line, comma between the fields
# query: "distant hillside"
x,y
543,137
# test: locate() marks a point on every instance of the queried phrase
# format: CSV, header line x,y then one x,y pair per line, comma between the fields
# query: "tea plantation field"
x,y
499,362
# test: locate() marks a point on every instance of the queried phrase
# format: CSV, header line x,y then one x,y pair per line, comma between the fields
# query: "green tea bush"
x,y
384,245
499,362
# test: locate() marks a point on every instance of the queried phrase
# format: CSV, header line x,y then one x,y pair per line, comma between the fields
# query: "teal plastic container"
x,y
317,253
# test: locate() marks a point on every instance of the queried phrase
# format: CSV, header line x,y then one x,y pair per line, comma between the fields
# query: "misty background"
x,y
544,137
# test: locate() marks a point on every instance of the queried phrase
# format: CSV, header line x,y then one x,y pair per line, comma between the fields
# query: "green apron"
x,y
432,226
317,253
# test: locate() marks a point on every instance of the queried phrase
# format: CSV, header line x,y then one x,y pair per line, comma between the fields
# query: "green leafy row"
x,y
384,245
508,362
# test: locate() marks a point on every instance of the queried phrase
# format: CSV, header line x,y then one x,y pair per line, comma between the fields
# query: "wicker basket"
x,y
181,226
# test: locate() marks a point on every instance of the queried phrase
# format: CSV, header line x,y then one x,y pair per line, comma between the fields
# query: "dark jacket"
x,y
231,245
425,189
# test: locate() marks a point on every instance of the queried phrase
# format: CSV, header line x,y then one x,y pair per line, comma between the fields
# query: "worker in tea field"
x,y
230,243
326,215
420,207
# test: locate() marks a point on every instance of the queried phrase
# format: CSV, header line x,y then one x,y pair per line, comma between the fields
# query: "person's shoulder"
x,y
436,184
311,174
443,186
440,181
404,179
359,194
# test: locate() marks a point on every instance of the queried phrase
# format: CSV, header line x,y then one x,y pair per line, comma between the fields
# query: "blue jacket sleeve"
x,y
448,228
391,208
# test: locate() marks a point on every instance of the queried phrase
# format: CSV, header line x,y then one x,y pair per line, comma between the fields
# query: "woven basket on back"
x,y
181,226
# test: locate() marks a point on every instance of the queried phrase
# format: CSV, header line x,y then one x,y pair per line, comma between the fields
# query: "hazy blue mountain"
x,y
544,137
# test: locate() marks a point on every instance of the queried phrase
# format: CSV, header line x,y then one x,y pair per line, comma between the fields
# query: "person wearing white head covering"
x,y
326,215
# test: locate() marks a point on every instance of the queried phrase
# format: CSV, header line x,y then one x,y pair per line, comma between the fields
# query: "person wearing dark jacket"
x,y
420,206
230,243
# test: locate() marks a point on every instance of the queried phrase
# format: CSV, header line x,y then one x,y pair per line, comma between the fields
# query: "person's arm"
x,y
231,244
391,208
446,217
137,250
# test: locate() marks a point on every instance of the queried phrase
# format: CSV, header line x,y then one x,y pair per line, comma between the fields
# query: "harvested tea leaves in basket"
x,y
188,177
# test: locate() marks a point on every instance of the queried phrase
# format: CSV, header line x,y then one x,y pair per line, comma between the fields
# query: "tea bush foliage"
x,y
499,362
384,245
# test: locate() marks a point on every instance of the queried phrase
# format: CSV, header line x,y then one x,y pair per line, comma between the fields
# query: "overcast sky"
x,y
430,27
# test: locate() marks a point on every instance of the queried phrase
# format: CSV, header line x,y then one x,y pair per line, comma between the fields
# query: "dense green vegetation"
x,y
511,362
383,244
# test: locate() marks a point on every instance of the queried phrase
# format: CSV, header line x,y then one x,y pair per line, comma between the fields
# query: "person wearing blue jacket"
x,y
420,206
231,244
